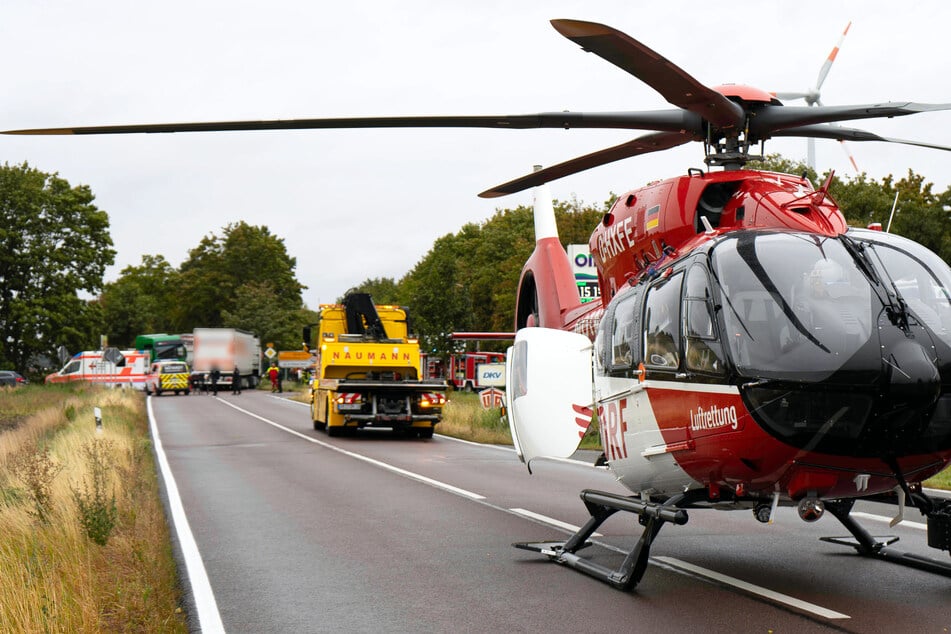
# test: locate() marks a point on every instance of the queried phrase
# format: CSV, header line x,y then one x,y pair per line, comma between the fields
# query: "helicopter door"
x,y
704,354
548,382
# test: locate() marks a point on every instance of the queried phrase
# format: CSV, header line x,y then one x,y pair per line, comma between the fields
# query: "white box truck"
x,y
225,348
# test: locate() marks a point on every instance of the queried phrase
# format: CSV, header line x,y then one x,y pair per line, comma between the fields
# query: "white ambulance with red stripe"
x,y
122,368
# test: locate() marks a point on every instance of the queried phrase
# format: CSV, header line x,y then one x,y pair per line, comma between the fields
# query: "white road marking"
x,y
209,620
670,563
367,459
778,597
681,567
476,444
544,519
881,518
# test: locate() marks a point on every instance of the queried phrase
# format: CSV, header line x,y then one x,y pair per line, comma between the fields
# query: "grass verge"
x,y
84,546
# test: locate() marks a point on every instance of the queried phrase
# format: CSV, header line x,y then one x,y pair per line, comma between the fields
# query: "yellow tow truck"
x,y
367,372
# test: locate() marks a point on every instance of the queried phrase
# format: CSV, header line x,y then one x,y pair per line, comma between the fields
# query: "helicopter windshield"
x,y
918,276
795,306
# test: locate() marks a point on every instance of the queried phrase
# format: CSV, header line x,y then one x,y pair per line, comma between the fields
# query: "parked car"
x,y
167,376
9,377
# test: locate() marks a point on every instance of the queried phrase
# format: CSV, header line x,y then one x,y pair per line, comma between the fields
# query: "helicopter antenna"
x,y
892,214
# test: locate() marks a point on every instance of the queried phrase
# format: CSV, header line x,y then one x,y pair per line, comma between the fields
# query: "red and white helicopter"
x,y
750,349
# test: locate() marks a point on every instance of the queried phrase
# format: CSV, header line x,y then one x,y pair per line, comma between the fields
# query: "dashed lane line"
x,y
771,595
367,459
668,563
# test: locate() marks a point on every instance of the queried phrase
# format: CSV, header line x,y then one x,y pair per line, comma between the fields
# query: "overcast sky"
x,y
357,204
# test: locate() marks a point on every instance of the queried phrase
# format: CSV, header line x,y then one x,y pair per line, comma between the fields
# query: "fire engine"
x,y
463,368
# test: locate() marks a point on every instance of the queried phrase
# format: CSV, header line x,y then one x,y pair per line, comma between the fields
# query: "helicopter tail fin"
x,y
546,290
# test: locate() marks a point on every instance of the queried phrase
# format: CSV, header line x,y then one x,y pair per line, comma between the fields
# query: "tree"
x,y
384,290
54,244
220,265
468,281
257,310
139,301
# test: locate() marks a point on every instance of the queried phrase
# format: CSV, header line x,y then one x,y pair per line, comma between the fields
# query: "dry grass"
x,y
53,577
463,417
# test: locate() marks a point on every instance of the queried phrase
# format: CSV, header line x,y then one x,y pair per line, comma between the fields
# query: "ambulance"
x,y
114,368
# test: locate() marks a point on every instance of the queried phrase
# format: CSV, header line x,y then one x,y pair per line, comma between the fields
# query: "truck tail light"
x,y
349,398
432,399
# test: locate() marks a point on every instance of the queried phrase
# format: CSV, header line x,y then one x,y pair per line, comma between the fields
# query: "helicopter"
x,y
750,349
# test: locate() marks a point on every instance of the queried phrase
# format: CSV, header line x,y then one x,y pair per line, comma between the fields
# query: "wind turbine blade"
x,y
845,148
789,96
828,63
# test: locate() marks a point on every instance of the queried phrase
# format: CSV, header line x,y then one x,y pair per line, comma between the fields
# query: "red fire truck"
x,y
462,368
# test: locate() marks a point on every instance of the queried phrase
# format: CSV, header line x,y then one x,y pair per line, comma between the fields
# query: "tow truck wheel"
x,y
334,431
158,391
426,433
318,425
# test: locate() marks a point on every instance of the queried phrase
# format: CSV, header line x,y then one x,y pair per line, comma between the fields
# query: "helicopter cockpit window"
x,y
662,324
919,276
623,333
703,350
795,306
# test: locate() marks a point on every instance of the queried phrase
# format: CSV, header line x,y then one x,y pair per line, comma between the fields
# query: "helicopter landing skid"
x,y
603,505
868,545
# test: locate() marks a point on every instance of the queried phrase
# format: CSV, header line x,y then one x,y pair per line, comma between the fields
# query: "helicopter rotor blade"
x,y
672,82
641,145
659,120
769,120
840,133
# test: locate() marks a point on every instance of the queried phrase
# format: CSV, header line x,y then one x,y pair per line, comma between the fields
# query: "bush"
x,y
97,509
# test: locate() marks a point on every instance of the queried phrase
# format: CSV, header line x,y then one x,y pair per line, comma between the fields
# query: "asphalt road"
x,y
297,532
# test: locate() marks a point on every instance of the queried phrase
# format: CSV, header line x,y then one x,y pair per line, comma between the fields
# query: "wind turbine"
x,y
813,98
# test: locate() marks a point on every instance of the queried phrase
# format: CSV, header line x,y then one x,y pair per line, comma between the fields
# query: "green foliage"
x,y
54,243
468,281
219,266
97,508
384,290
257,309
776,163
920,214
138,302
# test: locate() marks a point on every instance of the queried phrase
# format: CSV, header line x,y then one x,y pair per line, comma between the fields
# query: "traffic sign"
x,y
294,359
492,398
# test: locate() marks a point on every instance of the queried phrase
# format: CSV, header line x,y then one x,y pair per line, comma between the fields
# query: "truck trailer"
x,y
225,348
368,371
